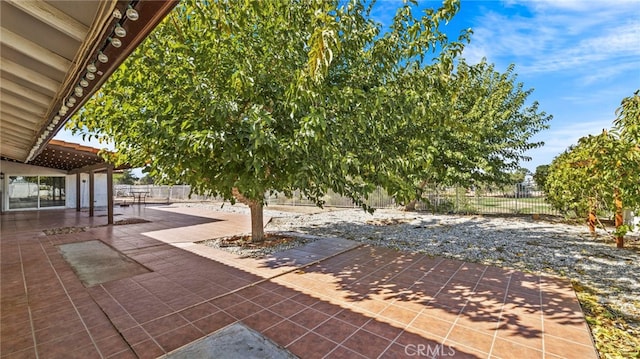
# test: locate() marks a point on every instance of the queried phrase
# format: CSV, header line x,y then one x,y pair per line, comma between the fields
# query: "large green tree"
x,y
601,172
540,176
242,98
485,127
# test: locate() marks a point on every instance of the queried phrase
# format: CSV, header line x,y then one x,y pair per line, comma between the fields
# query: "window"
x,y
33,192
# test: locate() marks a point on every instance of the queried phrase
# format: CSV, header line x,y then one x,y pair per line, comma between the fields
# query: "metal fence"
x,y
517,199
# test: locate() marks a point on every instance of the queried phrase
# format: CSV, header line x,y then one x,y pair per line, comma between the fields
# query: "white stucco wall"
x,y
100,199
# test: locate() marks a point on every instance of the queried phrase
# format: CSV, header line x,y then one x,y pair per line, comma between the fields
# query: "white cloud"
x,y
582,36
560,136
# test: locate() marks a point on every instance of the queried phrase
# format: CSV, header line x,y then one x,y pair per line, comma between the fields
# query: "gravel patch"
x,y
273,243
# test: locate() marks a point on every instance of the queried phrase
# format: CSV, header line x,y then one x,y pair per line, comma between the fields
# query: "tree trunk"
x,y
257,219
411,206
257,222
591,222
619,221
591,216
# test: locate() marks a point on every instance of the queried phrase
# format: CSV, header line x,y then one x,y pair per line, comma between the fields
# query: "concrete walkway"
x,y
330,299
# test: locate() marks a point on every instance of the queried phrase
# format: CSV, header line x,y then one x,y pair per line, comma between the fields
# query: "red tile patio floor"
x,y
331,299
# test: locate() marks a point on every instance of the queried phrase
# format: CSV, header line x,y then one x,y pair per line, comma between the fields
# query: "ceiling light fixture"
x,y
115,41
103,58
132,14
120,31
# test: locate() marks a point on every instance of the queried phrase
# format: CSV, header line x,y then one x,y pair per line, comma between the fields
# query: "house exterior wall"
x,y
100,188
20,169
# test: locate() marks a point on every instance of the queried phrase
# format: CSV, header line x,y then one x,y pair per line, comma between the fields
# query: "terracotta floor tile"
x,y
287,308
29,353
343,353
135,335
326,307
508,349
311,346
262,320
199,311
350,316
385,330
285,332
309,318
578,333
565,348
214,322
16,343
103,331
124,322
243,310
431,324
60,347
524,335
399,314
148,349
178,337
395,351
481,341
267,299
150,313
346,290
112,345
371,305
227,301
480,322
125,354
335,330
165,324
305,299
366,344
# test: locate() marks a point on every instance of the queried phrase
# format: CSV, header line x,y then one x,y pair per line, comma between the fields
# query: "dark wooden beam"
x,y
92,193
78,192
90,168
110,195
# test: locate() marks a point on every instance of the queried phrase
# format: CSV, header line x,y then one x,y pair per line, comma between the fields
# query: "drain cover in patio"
x,y
231,342
95,262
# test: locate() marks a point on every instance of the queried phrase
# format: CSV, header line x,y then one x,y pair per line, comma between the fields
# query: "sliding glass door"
x,y
33,192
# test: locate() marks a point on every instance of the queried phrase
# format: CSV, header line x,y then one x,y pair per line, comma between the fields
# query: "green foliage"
x,y
126,177
470,129
540,176
267,96
628,119
586,176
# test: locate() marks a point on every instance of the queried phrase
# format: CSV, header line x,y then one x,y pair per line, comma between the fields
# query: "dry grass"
x,y
616,335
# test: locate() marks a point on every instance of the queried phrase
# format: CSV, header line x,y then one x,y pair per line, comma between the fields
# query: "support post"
x,y
78,192
91,193
110,194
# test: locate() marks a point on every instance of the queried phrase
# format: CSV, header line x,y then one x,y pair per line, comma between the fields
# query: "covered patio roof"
x,y
70,156
54,56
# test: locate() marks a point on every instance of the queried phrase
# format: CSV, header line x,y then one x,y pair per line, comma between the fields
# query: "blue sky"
x,y
581,57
